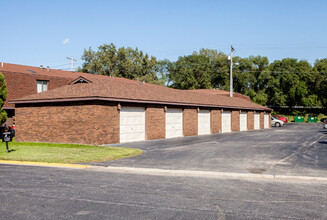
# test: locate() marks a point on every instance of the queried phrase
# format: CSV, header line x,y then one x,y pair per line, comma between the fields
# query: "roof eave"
x,y
97,98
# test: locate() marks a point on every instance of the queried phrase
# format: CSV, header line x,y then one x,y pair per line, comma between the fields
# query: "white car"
x,y
276,122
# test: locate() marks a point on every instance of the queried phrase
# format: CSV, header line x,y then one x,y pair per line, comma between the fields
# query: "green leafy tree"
x,y
290,82
201,70
319,81
191,72
3,97
122,62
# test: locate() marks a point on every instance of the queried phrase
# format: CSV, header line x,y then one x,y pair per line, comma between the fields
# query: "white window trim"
x,y
42,85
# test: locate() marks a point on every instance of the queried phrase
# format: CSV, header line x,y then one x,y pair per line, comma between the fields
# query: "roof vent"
x,y
41,66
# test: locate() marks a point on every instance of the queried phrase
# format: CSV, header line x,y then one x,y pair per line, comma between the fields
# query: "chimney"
x,y
48,68
1,64
41,66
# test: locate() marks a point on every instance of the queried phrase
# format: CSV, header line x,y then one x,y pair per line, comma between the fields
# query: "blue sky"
x,y
46,32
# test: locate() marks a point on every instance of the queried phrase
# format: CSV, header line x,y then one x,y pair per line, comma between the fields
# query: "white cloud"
x,y
66,41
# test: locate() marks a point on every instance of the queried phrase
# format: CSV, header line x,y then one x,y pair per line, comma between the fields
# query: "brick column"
x,y
235,121
250,120
190,121
215,119
155,122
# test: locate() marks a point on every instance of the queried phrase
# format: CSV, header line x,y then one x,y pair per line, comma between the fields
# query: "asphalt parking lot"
x,y
59,193
295,149
32,192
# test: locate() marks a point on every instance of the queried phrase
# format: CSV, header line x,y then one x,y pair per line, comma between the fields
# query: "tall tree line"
x,y
288,81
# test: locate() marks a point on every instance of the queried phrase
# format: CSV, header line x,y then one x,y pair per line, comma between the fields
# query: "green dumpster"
x,y
299,118
312,119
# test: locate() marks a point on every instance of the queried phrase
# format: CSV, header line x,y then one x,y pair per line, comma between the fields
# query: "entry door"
x,y
266,121
256,121
174,123
243,121
226,122
204,122
132,124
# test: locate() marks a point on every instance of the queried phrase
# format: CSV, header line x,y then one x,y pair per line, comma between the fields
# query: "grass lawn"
x,y
63,153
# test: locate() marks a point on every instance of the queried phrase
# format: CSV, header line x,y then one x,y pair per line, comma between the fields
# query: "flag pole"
x,y
231,73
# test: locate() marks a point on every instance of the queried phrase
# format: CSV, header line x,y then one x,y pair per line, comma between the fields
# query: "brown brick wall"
x,y
107,123
250,120
155,122
235,121
85,123
190,121
262,120
215,118
21,84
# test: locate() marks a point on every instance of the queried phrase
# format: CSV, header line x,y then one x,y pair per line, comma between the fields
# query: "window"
x,y
42,85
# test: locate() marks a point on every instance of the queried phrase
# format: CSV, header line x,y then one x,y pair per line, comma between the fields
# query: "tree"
x,y
201,70
122,62
290,82
191,72
3,97
319,81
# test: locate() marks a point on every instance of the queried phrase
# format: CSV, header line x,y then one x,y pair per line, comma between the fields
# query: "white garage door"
x,y
204,122
266,121
243,121
132,124
256,121
226,122
174,123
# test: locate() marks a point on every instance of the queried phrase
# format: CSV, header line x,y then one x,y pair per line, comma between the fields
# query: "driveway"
x,y
295,149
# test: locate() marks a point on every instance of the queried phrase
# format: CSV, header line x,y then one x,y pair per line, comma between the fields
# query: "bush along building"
x,y
92,109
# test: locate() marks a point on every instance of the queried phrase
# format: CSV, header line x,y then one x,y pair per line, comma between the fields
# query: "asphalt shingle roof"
x,y
133,91
116,88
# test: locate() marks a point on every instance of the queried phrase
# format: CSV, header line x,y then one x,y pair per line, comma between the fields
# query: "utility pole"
x,y
231,73
72,65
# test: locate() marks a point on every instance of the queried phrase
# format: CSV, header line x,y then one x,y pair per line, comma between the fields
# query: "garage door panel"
x,y
132,124
266,121
256,121
174,123
204,122
243,121
226,122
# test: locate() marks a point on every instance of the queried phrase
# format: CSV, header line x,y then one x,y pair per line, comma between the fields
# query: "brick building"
x,y
114,110
27,80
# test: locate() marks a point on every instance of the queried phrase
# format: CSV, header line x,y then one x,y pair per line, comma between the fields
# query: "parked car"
x,y
323,119
276,122
281,118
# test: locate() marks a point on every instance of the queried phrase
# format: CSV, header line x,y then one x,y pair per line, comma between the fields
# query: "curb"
x,y
174,173
207,174
44,164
